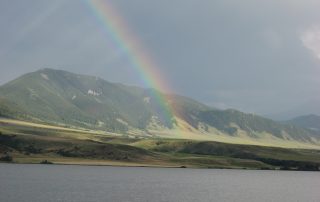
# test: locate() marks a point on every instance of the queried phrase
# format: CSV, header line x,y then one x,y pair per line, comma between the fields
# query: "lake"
x,y
120,184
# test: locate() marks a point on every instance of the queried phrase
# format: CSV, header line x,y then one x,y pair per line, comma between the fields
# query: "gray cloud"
x,y
258,56
311,40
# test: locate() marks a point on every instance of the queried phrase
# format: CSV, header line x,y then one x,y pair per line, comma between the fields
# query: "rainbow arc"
x,y
116,29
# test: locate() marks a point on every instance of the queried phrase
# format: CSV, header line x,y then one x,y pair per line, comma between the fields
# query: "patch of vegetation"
x,y
290,164
290,159
46,162
6,158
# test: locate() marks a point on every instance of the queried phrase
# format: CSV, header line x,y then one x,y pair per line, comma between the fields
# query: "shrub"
x,y
6,158
46,162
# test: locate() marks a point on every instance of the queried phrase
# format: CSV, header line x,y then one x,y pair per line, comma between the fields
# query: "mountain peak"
x,y
46,69
49,70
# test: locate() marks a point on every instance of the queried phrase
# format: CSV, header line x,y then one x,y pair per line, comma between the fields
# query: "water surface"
x,y
120,184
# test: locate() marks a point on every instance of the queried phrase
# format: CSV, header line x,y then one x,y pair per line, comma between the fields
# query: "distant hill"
x,y
309,107
60,97
311,122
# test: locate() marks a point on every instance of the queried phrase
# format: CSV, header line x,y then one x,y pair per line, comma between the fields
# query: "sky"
x,y
256,56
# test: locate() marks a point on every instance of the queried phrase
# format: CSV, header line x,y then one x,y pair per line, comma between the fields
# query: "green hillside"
x,y
63,98
252,124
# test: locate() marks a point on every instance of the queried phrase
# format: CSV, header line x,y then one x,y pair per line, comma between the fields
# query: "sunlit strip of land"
x,y
24,142
184,131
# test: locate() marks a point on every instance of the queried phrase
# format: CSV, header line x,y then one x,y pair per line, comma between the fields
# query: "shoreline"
x,y
137,165
152,166
141,166
97,162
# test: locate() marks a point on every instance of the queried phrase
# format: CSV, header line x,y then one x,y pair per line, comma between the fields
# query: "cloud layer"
x,y
257,56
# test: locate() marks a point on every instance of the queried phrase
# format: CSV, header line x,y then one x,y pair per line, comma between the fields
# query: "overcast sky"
x,y
256,56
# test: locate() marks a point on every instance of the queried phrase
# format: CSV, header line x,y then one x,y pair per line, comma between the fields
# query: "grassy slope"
x,y
185,131
28,143
63,97
60,97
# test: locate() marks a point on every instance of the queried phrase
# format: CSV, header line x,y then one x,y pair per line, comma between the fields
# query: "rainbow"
x,y
118,31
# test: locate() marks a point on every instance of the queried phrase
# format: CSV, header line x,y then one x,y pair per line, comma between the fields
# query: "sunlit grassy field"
x,y
33,143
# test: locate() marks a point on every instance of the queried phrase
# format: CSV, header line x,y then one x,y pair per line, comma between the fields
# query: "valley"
x,y
38,143
55,116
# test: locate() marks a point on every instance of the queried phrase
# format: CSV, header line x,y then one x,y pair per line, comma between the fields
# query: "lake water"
x,y
45,183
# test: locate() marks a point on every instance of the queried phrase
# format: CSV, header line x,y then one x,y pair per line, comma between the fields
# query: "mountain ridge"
x,y
58,96
311,121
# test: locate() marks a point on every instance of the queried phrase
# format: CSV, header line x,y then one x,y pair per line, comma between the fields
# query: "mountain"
x,y
308,107
311,122
64,98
